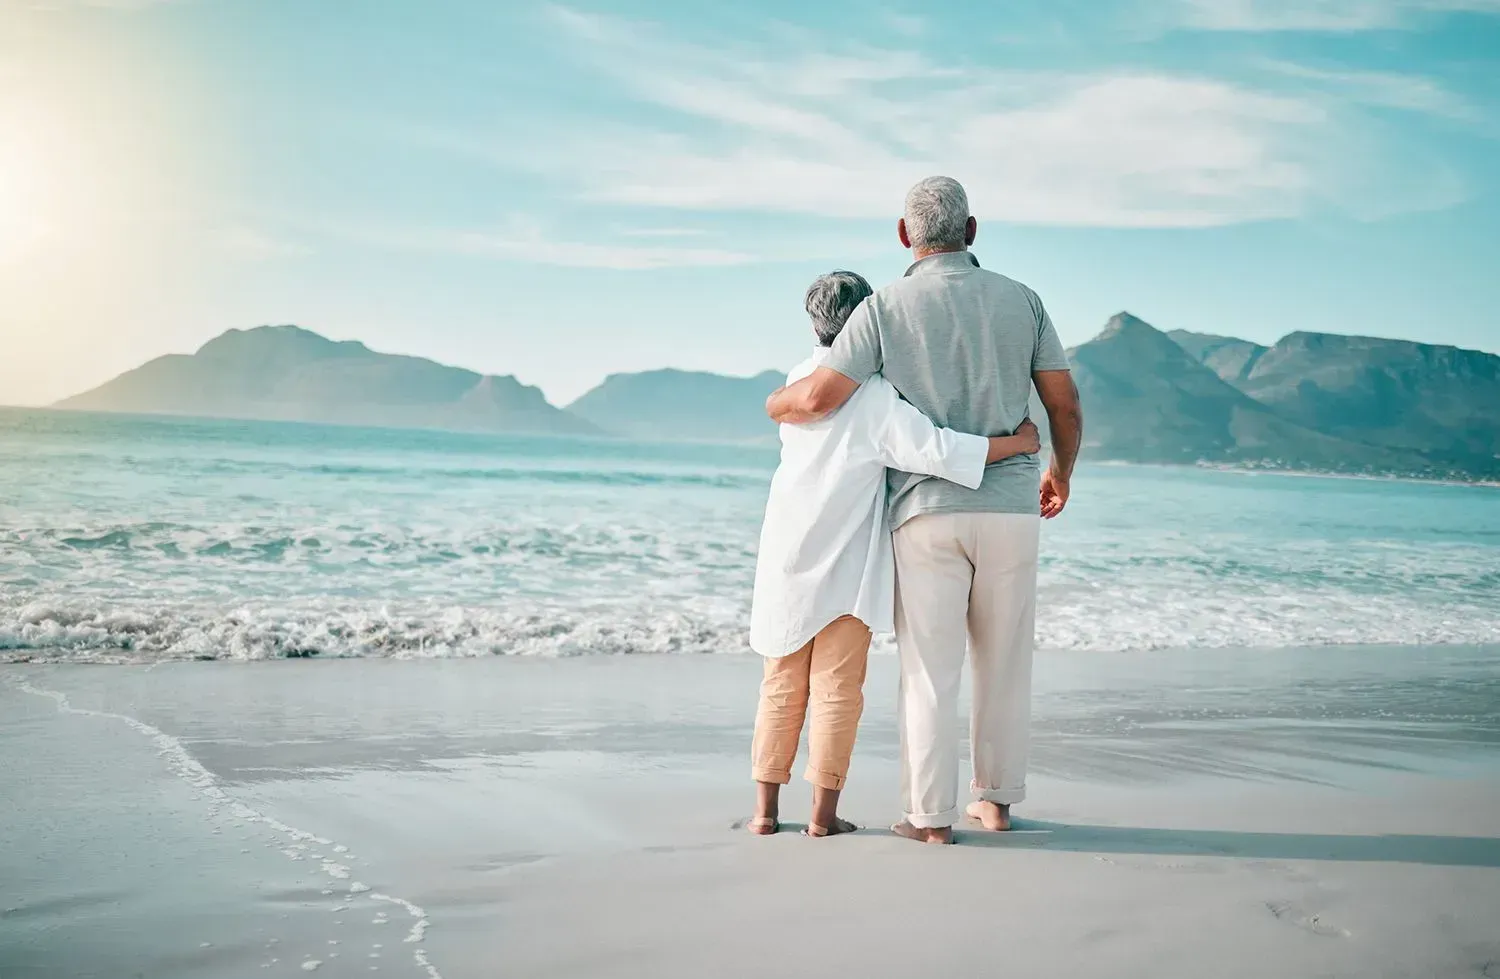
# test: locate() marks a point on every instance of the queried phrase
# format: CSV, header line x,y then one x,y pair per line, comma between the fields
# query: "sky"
x,y
564,191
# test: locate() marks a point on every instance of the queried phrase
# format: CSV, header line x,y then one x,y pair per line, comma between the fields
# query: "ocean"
x,y
140,539
442,765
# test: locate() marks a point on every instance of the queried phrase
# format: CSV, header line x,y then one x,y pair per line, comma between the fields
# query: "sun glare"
x,y
20,204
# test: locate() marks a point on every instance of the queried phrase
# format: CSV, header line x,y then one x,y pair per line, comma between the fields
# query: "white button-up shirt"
x,y
825,546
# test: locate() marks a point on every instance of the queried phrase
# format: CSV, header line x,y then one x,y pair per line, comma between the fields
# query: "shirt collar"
x,y
944,262
821,354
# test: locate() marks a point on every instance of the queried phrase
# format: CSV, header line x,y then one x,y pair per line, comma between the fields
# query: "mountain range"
x,y
681,404
1311,400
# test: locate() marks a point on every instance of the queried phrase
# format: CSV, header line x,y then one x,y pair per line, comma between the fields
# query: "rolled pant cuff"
x,y
825,780
1003,797
941,820
771,775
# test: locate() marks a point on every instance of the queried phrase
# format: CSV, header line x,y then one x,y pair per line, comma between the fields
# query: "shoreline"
x,y
881,648
1366,477
1236,469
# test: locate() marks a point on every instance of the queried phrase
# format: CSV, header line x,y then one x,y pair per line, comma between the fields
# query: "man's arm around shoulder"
x,y
817,395
856,354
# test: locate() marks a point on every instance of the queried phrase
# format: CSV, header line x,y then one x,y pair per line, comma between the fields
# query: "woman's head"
x,y
831,299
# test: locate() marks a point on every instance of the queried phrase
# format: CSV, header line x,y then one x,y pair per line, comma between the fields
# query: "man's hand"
x,y
1030,436
1054,494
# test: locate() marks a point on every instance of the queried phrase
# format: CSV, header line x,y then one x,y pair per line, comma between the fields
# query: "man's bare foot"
x,y
994,816
835,827
940,834
763,825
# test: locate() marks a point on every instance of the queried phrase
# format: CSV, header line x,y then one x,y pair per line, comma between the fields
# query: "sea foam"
x,y
221,804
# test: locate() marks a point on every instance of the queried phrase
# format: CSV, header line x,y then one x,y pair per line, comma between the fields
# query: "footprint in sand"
x,y
1295,915
1164,866
683,848
1283,870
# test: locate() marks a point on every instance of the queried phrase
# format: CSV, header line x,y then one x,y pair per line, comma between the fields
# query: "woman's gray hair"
x,y
937,215
831,299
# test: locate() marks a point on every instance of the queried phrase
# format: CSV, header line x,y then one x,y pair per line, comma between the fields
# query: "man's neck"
x,y
918,254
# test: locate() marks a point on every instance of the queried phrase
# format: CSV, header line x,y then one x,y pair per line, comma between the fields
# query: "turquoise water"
x,y
137,539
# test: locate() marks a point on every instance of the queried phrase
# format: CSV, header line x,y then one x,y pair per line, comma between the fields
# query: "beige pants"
x,y
964,579
829,672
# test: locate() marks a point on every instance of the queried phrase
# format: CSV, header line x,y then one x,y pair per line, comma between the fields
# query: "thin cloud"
x,y
662,232
126,5
256,246
522,240
1325,16
1390,90
907,25
791,123
796,128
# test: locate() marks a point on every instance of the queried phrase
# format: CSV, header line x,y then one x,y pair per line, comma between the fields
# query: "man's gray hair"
x,y
937,215
831,299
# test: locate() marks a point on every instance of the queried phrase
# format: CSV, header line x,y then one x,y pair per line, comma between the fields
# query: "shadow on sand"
x,y
1441,851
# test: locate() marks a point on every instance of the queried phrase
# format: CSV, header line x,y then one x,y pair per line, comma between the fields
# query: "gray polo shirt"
x,y
960,343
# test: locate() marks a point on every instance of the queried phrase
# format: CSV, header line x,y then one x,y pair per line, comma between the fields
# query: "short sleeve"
x,y
856,353
1049,354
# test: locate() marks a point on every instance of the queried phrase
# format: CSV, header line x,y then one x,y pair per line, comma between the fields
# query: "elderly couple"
x,y
885,516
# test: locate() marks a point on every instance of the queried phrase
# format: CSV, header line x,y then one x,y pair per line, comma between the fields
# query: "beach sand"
x,y
1328,812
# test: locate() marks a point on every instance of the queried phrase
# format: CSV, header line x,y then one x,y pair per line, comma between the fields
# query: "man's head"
x,y
830,301
937,218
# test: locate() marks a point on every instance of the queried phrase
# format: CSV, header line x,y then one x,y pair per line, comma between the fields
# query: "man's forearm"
x,y
1066,425
789,405
1059,396
810,399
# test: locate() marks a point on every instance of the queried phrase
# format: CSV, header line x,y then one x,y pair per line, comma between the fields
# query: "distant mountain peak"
x,y
678,373
673,403
269,334
1124,321
506,390
284,338
1229,357
289,373
1131,333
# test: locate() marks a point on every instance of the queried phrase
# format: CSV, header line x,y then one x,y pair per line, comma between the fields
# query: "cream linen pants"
x,y
964,579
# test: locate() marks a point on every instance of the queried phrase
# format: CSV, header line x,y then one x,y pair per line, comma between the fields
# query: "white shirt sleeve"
x,y
907,440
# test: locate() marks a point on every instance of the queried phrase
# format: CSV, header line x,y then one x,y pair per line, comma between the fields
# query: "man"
x,y
964,346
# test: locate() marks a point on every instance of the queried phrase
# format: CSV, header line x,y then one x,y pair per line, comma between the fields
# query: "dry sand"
x,y
1318,813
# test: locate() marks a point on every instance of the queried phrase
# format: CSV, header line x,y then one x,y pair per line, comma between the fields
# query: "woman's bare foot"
x,y
993,816
835,827
941,834
767,809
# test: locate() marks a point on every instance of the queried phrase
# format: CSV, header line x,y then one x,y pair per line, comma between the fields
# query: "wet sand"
x,y
1231,813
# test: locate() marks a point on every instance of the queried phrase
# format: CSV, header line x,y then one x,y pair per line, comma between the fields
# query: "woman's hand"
x,y
1030,437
